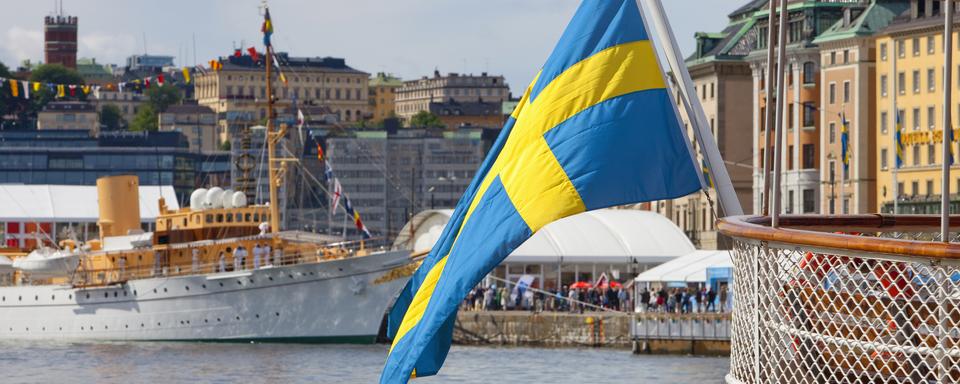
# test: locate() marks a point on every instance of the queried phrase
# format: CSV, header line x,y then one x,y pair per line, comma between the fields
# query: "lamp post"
x,y
431,196
452,179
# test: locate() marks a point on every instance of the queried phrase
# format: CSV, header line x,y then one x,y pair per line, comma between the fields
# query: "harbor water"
x,y
60,362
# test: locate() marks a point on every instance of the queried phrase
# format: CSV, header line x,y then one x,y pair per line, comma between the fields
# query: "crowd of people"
x,y
578,300
493,298
684,300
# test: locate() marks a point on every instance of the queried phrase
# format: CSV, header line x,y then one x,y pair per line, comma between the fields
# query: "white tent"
x,y
691,268
71,203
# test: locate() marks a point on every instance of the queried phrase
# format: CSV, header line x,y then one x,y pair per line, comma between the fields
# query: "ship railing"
x,y
87,277
844,299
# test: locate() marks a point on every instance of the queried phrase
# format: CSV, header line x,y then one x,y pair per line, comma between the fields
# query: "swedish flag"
x,y
898,139
596,128
844,141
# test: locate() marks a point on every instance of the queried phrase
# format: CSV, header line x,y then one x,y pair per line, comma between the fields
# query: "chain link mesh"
x,y
843,317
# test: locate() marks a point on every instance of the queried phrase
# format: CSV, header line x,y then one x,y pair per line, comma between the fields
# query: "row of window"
x,y
915,189
917,83
808,158
809,73
914,159
809,116
914,119
929,44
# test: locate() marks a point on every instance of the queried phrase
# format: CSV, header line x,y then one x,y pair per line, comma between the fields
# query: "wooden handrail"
x,y
838,232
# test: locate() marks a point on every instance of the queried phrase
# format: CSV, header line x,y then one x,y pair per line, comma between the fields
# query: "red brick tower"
x,y
60,40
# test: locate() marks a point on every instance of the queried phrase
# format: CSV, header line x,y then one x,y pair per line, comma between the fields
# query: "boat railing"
x,y
844,299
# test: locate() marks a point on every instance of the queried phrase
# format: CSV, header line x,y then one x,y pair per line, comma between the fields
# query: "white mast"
x,y
894,91
947,119
727,196
768,115
781,97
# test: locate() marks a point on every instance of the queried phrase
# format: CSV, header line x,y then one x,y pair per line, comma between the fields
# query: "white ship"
x,y
217,270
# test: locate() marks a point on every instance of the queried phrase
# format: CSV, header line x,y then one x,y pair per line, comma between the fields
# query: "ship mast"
x,y
272,138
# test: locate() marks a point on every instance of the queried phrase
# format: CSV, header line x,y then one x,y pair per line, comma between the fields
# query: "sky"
x,y
409,38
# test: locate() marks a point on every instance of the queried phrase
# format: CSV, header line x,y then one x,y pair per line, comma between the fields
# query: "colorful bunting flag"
x,y
186,75
13,88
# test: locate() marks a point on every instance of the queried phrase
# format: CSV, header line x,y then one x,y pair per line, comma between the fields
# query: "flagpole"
x,y
843,159
781,95
727,196
947,120
768,115
894,91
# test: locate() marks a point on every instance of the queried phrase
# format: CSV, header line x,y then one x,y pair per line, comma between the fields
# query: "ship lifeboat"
x,y
48,262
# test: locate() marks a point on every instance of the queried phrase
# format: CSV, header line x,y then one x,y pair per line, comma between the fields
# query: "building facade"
x,y
416,95
238,91
721,77
63,115
383,96
454,114
60,40
197,123
913,43
391,176
848,61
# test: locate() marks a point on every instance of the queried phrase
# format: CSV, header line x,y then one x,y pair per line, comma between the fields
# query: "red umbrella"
x,y
614,284
580,285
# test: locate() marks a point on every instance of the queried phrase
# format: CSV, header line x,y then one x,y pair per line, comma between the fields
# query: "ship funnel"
x,y
119,201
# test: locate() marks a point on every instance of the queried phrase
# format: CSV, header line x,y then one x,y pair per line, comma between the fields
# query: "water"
x,y
57,362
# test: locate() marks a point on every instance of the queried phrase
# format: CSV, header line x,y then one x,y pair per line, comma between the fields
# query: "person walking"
x,y
644,300
257,254
222,263
723,299
237,257
711,299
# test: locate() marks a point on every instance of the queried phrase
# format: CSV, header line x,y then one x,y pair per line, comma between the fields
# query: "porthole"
x,y
36,298
164,290
154,290
19,298
126,325
187,287
181,322
70,297
251,281
291,275
206,321
124,293
158,324
28,329
61,328
218,319
204,286
106,295
221,284
105,327
43,329
258,315
238,317
311,273
239,282
142,325
134,292
81,328
53,297
88,295
115,293
271,278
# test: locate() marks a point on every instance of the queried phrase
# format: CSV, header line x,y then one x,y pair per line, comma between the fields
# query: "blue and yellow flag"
x,y
595,129
845,142
267,27
898,140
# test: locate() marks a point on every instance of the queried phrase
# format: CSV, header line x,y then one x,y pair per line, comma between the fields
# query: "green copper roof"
x,y
385,79
877,16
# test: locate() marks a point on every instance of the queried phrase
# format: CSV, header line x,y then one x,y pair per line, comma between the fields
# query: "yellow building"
x,y
383,97
914,46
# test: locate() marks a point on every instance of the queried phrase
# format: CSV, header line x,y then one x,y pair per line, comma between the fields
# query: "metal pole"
x,y
947,119
781,98
768,115
727,196
895,117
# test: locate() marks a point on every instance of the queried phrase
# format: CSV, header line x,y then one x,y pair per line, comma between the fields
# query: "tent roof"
x,y
602,236
690,268
71,203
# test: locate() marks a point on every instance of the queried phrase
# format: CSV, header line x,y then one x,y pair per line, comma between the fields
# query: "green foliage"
x,y
162,97
110,118
225,145
17,107
424,119
53,74
145,119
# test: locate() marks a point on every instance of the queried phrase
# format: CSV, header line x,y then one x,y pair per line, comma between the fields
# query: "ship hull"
x,y
338,301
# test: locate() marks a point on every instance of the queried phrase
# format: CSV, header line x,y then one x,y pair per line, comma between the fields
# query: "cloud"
x,y
18,44
107,48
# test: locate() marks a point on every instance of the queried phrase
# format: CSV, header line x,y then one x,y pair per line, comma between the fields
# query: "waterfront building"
x,y
915,41
383,95
128,103
454,114
237,92
69,115
848,61
416,95
389,176
148,63
75,157
722,79
197,123
61,212
60,40
94,73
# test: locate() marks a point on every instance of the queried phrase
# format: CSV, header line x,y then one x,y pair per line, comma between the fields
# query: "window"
x,y
914,188
809,73
916,119
846,91
789,157
790,202
902,83
901,48
808,201
833,58
883,158
916,155
712,85
832,93
916,46
883,51
916,81
846,206
931,154
846,56
929,187
931,117
900,190
883,85
809,113
808,156
931,45
883,123
833,132
931,80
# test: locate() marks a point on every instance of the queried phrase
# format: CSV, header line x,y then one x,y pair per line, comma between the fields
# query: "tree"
x,y
225,145
53,74
145,119
161,97
424,119
110,118
15,112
